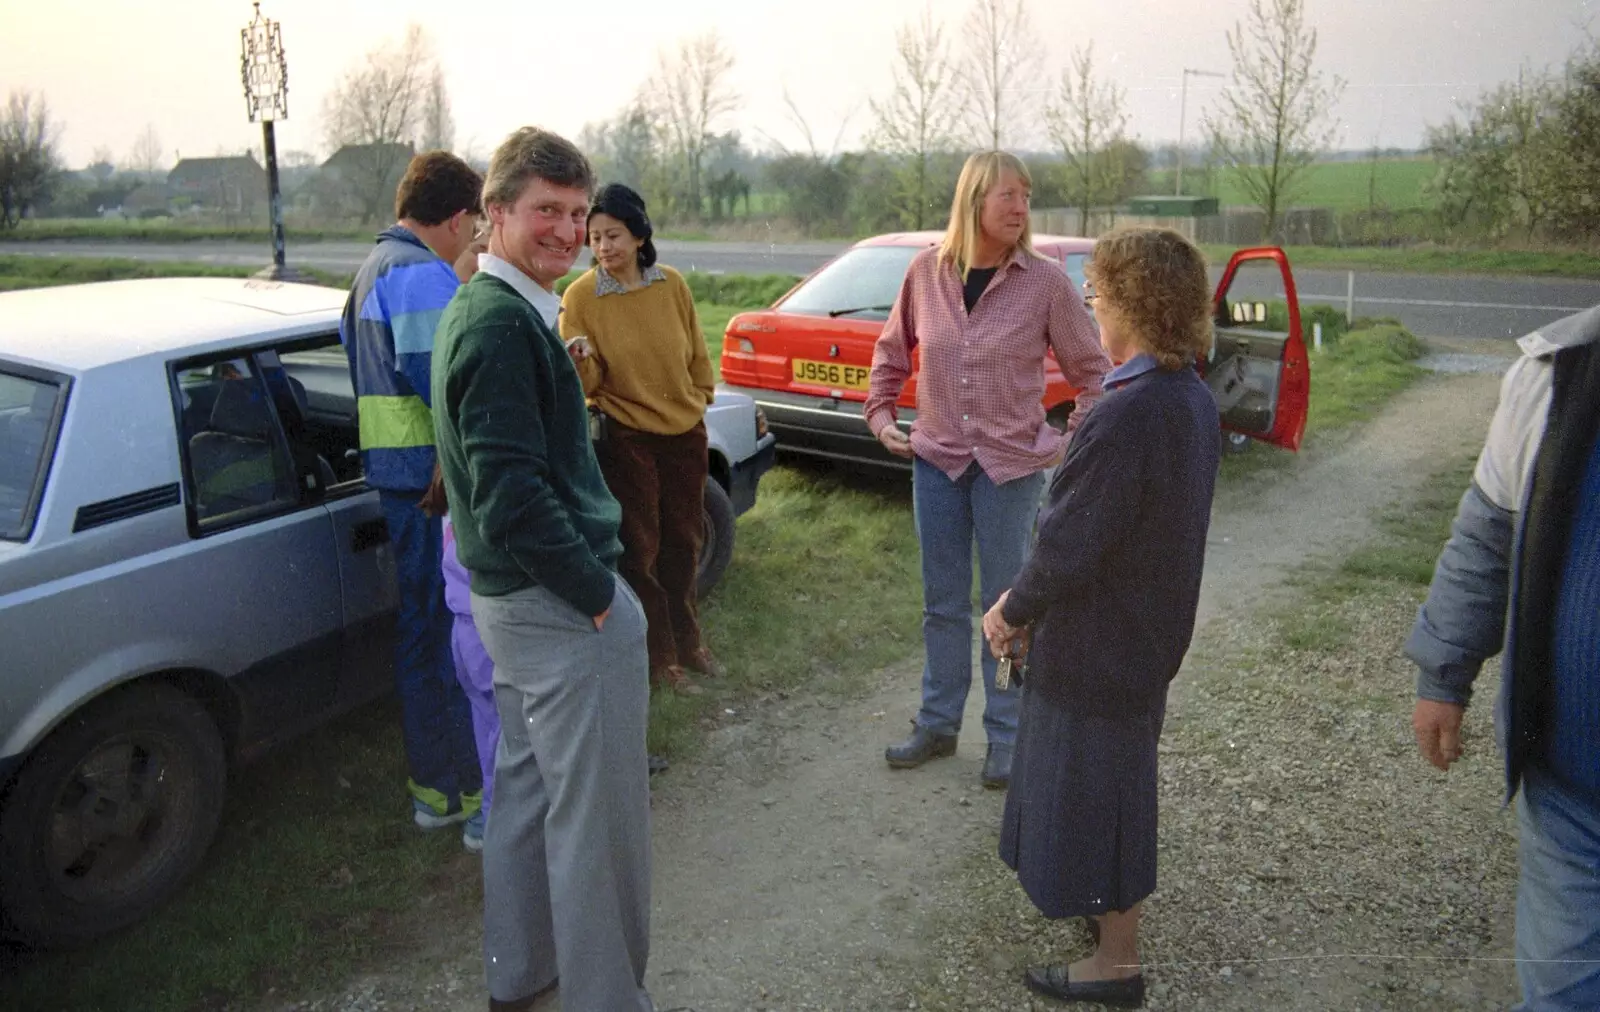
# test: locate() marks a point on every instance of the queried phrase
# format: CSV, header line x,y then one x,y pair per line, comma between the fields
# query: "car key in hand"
x,y
1009,670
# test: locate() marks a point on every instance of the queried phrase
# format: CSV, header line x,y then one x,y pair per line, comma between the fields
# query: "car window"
x,y
865,279
1073,264
231,442
28,410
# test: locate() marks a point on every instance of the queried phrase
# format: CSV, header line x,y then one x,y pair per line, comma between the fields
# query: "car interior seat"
x,y
290,396
234,466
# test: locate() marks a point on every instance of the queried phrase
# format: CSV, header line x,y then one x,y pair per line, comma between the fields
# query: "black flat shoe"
x,y
997,768
919,748
1052,982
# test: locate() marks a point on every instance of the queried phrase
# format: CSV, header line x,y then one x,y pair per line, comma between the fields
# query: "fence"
x,y
1235,226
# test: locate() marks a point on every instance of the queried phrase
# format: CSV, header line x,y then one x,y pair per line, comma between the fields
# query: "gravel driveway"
x,y
1309,860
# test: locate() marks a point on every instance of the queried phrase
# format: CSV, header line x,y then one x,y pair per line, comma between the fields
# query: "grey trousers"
x,y
566,857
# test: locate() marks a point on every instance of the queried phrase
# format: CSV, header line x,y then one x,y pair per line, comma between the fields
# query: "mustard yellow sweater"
x,y
650,369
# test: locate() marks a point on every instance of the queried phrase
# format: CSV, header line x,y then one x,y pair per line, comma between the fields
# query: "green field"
x,y
1343,186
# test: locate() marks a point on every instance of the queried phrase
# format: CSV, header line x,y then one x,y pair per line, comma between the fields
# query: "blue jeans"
x,y
435,717
1558,897
950,514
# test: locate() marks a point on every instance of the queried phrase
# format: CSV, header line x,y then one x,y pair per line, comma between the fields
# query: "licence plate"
x,y
834,375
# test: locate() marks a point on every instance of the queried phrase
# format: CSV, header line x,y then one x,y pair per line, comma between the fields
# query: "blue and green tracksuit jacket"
x,y
387,331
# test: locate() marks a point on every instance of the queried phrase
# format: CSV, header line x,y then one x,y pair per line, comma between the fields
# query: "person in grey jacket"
x,y
1521,572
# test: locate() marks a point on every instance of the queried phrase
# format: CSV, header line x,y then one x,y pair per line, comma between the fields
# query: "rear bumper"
x,y
745,476
824,427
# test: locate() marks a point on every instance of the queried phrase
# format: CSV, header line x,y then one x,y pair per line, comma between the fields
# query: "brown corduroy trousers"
x,y
660,480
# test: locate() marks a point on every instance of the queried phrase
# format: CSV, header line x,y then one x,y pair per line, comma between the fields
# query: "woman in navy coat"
x,y
1109,597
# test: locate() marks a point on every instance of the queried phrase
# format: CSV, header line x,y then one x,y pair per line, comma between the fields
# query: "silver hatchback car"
x,y
191,570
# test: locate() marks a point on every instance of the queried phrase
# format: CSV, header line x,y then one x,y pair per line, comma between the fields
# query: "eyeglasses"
x,y
1089,300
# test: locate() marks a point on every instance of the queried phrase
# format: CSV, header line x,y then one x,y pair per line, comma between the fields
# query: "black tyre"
x,y
109,815
717,551
1235,442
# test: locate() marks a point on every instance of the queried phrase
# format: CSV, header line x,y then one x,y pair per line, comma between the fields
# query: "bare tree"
x,y
1001,62
438,125
146,157
630,148
373,115
29,167
1273,119
101,167
1085,118
914,122
693,92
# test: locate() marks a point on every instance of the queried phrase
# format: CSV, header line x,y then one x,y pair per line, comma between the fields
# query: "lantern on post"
x,y
266,95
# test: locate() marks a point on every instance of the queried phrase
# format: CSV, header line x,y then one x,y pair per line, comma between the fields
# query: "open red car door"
x,y
1261,376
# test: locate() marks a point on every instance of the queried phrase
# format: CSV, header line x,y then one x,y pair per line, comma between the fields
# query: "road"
x,y
1430,305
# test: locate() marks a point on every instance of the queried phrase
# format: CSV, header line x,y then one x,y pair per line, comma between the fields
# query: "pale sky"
x,y
110,67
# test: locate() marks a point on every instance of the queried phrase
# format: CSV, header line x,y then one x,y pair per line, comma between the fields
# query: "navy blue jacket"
x,y
1497,580
1113,584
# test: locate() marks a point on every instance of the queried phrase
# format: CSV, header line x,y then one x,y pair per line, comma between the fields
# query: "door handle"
x,y
369,534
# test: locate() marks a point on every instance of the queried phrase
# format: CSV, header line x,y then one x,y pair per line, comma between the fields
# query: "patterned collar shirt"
x,y
981,381
605,284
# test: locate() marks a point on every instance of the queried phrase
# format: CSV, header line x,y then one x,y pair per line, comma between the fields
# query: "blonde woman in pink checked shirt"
x,y
984,308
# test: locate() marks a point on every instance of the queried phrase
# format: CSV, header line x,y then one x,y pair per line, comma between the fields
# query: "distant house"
x,y
359,180
233,185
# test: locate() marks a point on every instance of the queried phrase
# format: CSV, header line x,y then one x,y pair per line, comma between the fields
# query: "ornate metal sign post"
x,y
266,96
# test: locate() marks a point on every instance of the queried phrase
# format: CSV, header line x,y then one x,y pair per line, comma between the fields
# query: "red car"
x,y
806,359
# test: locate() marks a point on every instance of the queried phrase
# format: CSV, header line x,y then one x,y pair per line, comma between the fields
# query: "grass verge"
x,y
1302,838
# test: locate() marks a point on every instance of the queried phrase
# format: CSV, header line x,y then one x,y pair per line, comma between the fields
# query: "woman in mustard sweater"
x,y
633,332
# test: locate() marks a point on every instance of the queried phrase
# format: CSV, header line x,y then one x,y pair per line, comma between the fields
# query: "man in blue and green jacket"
x,y
387,329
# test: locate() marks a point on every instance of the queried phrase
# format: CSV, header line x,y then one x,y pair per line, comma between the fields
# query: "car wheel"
x,y
110,815
1235,442
717,550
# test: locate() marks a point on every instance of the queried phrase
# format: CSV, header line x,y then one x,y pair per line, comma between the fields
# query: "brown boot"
x,y
701,660
674,679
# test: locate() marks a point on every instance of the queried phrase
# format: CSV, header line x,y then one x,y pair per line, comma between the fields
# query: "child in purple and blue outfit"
x,y
474,669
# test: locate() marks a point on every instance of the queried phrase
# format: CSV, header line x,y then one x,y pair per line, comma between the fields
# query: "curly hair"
x,y
1155,280
437,186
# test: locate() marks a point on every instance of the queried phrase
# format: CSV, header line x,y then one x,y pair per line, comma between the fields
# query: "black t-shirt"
x,y
978,279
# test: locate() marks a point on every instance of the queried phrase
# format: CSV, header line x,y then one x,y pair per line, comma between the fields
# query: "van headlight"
x,y
761,424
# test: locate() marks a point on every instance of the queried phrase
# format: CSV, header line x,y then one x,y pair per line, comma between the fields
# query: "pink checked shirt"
x,y
981,382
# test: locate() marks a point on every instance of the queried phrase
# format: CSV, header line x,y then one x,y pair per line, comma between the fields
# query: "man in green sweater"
x,y
566,860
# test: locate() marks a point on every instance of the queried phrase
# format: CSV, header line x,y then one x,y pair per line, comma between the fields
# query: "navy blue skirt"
x,y
1080,817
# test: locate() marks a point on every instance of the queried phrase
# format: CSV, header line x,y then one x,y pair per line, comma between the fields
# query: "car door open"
x,y
1258,367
